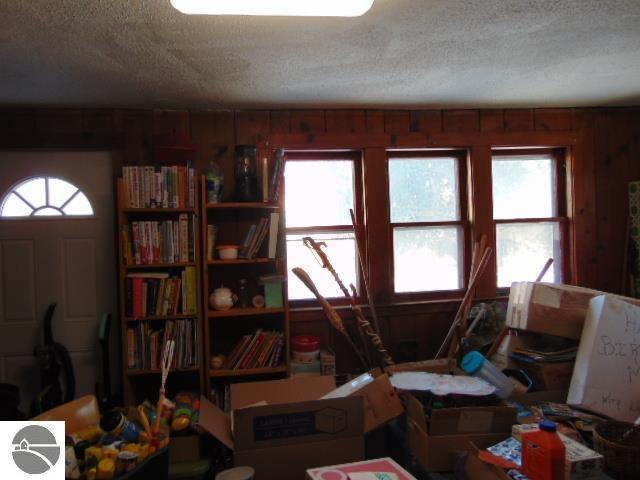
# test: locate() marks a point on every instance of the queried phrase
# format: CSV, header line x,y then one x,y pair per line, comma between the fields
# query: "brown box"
x,y
291,433
549,376
381,401
184,448
552,309
435,444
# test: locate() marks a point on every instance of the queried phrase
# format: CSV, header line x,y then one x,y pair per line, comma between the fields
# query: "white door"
x,y
64,259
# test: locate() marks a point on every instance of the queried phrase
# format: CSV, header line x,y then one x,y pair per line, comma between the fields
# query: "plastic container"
x,y
214,182
237,473
306,348
543,453
474,363
228,252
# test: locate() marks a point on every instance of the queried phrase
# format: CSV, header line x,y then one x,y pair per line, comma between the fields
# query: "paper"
x,y
606,377
442,384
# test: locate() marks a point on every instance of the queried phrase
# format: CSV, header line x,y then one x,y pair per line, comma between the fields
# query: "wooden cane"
x,y
334,318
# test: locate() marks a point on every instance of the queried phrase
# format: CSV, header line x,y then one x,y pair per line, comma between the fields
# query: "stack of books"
x,y
169,241
159,293
256,235
145,344
164,187
262,349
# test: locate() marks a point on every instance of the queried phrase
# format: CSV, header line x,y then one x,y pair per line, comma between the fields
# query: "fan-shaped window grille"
x,y
45,197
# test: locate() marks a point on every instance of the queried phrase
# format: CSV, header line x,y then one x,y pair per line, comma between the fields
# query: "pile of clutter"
x,y
125,439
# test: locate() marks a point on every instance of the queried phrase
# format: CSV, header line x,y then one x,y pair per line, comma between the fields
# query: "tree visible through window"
x,y
529,215
45,197
426,220
320,190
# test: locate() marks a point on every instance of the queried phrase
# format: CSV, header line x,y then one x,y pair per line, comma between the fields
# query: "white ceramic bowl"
x,y
228,252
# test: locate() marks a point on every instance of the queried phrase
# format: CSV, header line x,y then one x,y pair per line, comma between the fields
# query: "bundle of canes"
x,y
466,301
364,326
334,318
167,360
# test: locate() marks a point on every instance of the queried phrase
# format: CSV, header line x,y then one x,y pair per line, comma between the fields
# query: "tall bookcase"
x,y
184,315
223,329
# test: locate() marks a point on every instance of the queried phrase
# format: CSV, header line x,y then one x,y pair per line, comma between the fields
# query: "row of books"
x,y
145,344
151,242
262,349
159,293
164,187
256,235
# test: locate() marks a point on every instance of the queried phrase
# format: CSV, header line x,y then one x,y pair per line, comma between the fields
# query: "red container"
x,y
306,343
306,348
543,453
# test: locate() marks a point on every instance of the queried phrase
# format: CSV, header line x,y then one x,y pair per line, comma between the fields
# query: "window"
x,y
529,214
44,197
320,190
427,220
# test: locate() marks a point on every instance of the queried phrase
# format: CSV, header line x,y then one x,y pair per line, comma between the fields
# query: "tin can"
x,y
126,462
116,423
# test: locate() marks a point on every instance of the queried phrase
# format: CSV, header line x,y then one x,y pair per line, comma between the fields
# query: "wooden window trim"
x,y
356,157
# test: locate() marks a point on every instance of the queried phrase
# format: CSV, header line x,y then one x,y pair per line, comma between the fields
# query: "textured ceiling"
x,y
432,53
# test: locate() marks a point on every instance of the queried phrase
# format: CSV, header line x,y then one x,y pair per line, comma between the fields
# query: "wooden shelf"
x,y
160,317
247,371
241,261
160,265
159,210
231,205
153,372
241,312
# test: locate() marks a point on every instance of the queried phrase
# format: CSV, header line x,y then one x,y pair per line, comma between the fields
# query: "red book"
x,y
248,359
233,356
138,284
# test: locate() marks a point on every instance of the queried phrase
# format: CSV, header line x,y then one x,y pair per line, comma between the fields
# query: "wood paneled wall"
x,y
605,156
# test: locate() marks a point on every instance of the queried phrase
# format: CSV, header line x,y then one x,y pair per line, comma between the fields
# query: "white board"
x,y
606,377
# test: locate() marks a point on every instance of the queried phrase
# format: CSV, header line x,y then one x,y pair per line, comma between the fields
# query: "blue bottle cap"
x,y
472,362
548,425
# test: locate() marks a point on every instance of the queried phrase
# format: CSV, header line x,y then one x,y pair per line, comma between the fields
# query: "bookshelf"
x,y
224,330
159,279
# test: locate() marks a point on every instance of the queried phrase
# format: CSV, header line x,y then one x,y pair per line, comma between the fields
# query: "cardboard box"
x,y
381,401
450,429
184,448
358,470
552,309
283,436
606,377
549,376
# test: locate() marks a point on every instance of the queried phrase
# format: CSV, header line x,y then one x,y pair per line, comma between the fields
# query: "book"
x,y
247,240
211,241
273,234
167,187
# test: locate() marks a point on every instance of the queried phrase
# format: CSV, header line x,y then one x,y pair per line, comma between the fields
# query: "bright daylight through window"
x,y
428,239
319,193
45,197
527,214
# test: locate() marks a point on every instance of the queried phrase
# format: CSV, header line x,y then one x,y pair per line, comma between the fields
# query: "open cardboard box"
x,y
281,428
450,429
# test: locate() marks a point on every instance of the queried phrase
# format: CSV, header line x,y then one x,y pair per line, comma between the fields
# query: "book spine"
x,y
131,348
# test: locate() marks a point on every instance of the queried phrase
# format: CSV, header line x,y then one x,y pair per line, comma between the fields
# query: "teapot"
x,y
222,299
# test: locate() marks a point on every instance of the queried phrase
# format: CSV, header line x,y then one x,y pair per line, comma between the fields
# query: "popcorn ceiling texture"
x,y
430,53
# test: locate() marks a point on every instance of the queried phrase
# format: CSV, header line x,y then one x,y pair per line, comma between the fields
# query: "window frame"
x,y
462,159
561,217
356,157
12,190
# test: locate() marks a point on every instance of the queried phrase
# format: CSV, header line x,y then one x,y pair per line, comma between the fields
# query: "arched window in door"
x,y
45,197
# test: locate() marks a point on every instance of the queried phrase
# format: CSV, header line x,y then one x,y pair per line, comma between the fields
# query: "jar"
x,y
222,299
306,348
246,182
474,363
